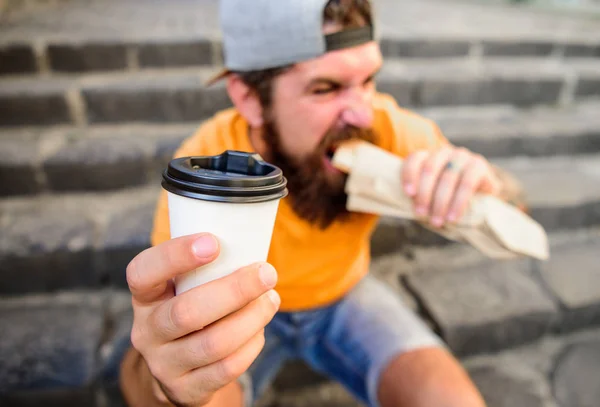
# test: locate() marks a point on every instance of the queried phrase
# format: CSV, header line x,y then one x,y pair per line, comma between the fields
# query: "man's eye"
x,y
323,91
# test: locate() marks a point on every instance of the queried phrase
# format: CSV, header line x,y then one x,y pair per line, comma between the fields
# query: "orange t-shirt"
x,y
315,266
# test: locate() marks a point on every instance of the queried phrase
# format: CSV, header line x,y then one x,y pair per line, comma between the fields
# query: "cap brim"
x,y
219,76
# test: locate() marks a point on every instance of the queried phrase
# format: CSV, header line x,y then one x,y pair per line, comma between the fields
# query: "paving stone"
x,y
554,142
516,48
33,109
510,386
175,54
118,323
87,57
154,100
46,249
568,238
448,257
98,163
573,276
487,307
18,172
17,59
127,234
51,344
390,268
582,50
475,91
535,362
403,91
393,235
508,131
165,150
119,319
573,183
420,48
576,381
91,158
588,87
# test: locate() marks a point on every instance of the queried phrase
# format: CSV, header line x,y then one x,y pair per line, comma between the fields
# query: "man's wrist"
x,y
138,386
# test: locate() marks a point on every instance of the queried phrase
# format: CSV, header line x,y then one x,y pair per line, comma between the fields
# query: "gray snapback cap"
x,y
261,34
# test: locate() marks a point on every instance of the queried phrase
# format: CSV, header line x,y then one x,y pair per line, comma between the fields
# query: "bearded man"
x,y
301,76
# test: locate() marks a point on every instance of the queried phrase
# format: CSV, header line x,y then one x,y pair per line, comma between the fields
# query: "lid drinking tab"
x,y
233,176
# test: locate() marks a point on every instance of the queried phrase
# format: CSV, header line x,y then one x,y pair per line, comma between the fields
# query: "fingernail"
x,y
421,211
205,246
274,297
437,221
410,189
267,275
451,217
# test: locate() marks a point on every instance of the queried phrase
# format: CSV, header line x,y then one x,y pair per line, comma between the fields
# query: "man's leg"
x,y
250,386
387,356
427,377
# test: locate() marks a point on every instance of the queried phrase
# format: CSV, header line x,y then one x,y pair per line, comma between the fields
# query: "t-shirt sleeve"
x,y
194,145
406,132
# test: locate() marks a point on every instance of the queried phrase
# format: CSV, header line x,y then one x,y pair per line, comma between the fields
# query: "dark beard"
x,y
315,197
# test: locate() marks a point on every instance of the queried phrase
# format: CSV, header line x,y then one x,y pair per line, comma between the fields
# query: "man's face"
x,y
315,105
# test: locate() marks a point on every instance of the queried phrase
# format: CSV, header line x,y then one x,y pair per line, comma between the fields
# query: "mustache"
x,y
334,137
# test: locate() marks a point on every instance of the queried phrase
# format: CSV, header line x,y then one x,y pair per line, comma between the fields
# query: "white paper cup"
x,y
234,196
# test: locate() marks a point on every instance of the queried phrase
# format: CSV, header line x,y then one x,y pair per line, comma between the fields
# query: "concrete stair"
x,y
101,231
64,158
510,322
180,94
95,96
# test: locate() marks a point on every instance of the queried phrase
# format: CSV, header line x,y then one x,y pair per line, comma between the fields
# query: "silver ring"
x,y
453,166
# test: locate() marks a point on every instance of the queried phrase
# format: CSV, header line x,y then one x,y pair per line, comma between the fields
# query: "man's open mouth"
x,y
330,152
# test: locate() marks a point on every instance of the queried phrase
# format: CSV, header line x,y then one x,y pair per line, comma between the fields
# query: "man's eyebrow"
x,y
374,74
335,82
323,81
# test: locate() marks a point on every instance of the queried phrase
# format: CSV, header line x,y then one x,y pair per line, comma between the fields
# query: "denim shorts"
x,y
350,341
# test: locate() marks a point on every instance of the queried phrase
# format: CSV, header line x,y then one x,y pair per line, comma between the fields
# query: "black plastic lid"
x,y
233,176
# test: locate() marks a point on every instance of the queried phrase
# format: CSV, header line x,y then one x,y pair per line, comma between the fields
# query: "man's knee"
x,y
427,377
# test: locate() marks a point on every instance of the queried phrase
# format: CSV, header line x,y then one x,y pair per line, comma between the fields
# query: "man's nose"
x,y
359,112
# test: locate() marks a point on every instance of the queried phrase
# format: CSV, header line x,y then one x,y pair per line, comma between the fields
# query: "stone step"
x,y
480,305
64,349
100,232
73,240
556,370
101,35
19,57
104,157
179,95
69,158
508,131
510,322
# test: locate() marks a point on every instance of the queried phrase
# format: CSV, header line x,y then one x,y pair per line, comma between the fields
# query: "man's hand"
x,y
442,182
197,342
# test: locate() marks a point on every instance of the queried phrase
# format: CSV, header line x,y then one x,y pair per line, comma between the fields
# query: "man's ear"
x,y
245,100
